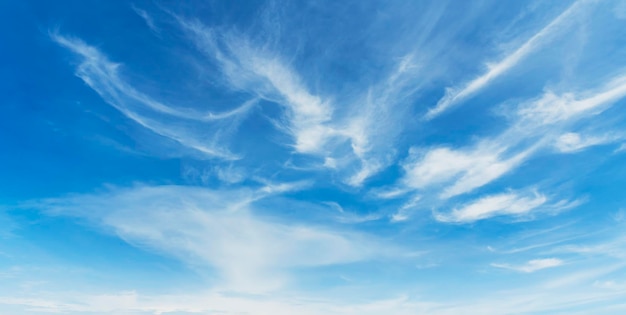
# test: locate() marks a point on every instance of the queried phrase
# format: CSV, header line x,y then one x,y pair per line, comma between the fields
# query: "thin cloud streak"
x,y
460,171
551,108
313,120
97,70
537,125
495,205
102,76
454,96
146,18
264,75
532,265
572,142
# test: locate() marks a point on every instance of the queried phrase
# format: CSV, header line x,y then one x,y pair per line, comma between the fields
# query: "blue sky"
x,y
318,157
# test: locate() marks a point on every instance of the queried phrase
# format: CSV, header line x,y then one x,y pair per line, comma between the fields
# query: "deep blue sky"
x,y
318,157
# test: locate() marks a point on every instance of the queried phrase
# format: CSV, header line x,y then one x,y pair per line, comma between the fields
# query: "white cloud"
x,y
612,248
367,120
466,169
455,95
390,193
536,125
494,205
588,287
102,76
621,148
582,276
376,118
403,213
205,227
482,174
368,168
438,165
230,174
252,251
620,215
532,265
146,18
573,142
263,73
552,108
350,217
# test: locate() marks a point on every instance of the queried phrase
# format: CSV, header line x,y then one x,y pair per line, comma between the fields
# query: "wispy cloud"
x,y
532,265
454,96
230,174
466,169
495,205
101,74
621,148
537,125
551,108
375,118
219,229
574,142
365,122
403,212
611,248
263,74
146,18
583,276
319,187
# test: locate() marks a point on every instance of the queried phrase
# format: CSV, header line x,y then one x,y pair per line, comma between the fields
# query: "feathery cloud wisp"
x,y
551,108
574,142
537,124
532,265
495,205
146,18
262,73
460,171
205,227
102,76
316,123
454,96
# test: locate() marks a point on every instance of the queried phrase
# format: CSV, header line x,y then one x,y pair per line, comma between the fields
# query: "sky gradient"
x,y
313,157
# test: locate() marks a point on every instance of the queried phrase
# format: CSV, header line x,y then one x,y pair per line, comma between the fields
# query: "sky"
x,y
312,157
